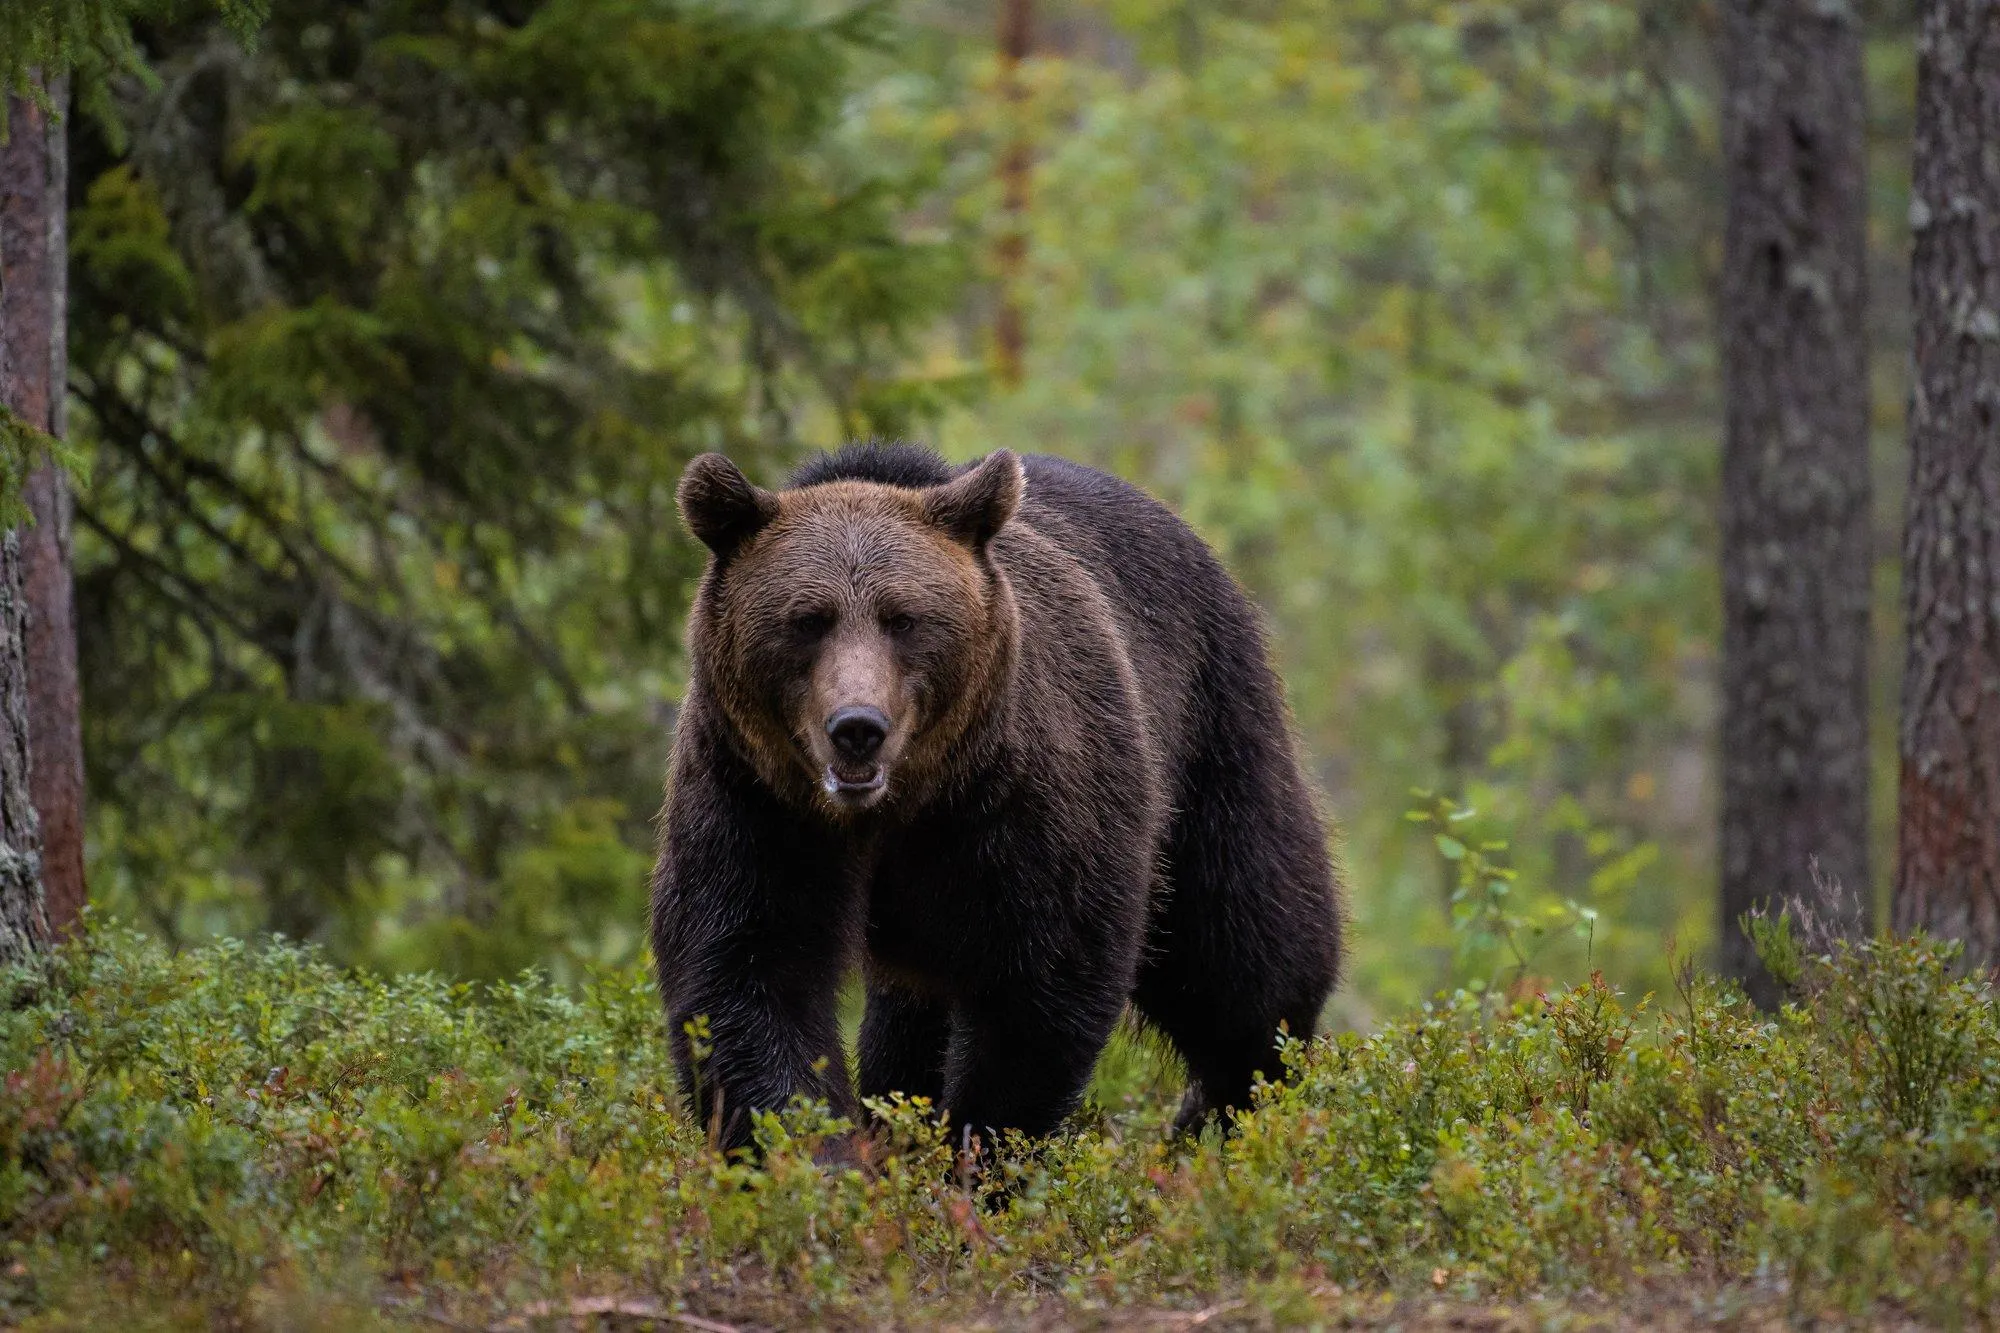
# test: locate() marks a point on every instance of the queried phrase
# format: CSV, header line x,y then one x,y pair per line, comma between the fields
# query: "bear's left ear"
x,y
974,507
720,506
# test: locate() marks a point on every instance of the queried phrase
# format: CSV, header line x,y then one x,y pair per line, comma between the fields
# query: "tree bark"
x,y
1795,502
34,189
1948,856
24,922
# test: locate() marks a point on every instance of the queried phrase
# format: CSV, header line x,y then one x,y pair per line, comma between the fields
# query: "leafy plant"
x,y
1489,911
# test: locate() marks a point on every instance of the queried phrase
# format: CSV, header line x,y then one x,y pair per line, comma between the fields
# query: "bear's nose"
x,y
857,732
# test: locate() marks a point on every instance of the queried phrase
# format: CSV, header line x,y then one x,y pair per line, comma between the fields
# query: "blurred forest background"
x,y
392,330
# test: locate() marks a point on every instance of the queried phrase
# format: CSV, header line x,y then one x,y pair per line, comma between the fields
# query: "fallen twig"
x,y
1200,1317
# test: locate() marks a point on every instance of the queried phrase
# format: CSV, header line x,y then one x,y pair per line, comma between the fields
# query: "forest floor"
x,y
1671,1307
245,1136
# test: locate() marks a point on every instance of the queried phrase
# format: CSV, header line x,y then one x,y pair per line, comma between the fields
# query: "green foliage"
x,y
23,448
1490,916
392,334
1401,305
1777,946
41,40
246,1133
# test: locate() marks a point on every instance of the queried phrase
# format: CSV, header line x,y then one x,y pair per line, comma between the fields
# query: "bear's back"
x,y
890,464
1179,611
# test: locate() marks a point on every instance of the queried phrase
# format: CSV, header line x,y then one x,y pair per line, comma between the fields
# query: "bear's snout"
x,y
856,778
856,710
857,733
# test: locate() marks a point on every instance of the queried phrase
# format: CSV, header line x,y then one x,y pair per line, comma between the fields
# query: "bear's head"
x,y
852,631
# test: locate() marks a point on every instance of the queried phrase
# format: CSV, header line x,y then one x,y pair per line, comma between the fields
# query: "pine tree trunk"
x,y
1948,858
24,922
1795,502
33,325
38,637
33,322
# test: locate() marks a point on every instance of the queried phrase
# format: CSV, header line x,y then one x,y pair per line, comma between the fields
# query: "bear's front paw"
x,y
854,1150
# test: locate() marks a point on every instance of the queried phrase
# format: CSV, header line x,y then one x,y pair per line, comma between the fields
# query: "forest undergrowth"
x,y
245,1135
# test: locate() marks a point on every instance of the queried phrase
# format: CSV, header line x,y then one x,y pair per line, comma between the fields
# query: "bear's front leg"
x,y
1060,904
743,1046
751,930
1021,1059
904,1037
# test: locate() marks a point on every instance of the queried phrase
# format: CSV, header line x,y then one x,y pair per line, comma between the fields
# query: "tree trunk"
x,y
1948,858
24,376
24,922
33,322
33,310
1795,502
1010,335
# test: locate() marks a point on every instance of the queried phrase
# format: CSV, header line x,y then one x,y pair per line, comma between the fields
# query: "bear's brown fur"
x,y
1005,737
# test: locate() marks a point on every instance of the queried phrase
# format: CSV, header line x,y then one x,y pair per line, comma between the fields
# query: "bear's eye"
x,y
900,624
812,624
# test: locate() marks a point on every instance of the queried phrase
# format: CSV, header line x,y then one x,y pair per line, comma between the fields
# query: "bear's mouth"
x,y
854,788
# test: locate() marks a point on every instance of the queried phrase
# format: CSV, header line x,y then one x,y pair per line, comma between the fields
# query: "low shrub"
x,y
243,1133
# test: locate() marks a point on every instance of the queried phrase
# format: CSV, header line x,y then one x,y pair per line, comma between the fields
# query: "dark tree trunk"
x,y
1795,520
1010,335
33,323
28,197
1948,858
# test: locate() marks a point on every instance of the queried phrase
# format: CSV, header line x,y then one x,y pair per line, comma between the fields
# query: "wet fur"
x,y
1108,810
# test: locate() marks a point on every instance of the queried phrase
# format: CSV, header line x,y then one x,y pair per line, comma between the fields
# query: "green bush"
x,y
246,1133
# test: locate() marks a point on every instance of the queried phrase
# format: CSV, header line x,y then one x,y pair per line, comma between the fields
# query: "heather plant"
x,y
248,1133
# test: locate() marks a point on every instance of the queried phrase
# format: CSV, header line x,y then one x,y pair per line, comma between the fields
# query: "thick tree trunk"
x,y
1795,502
33,301
24,921
1948,858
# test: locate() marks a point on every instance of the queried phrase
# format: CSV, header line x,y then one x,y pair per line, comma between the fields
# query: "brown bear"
x,y
1007,738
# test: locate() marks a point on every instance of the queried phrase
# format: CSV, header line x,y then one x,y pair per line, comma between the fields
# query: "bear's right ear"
x,y
720,506
974,507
